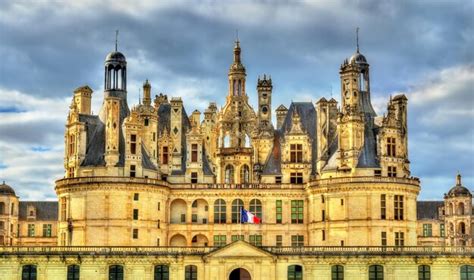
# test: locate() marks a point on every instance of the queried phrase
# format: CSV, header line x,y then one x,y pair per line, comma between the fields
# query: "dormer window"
x,y
296,153
133,144
391,147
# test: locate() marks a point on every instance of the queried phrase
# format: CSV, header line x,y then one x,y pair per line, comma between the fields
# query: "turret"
x,y
147,93
237,74
281,112
264,90
82,98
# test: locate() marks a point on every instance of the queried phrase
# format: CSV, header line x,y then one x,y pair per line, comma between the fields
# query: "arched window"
x,y
245,174
460,209
73,272
337,272
467,272
256,207
375,272
237,206
229,174
162,272
219,212
462,228
116,272
295,272
28,272
424,272
191,272
451,209
2,208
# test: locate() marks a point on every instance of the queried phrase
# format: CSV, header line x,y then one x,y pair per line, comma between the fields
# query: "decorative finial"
x,y
357,38
116,39
458,179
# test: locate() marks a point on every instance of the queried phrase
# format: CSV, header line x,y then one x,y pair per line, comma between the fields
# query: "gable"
x,y
239,249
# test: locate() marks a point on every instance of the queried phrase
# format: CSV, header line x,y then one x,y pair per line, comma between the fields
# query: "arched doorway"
x,y
239,274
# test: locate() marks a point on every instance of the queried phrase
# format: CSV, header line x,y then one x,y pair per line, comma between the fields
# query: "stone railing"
x,y
197,251
110,179
364,179
238,186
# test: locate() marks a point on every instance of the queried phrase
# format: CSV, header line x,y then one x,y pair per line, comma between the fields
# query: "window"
x,y
342,202
145,122
28,272
219,211
237,237
375,272
229,174
392,171
245,174
72,144
194,152
154,136
398,207
323,215
323,235
297,240
296,178
297,211
256,208
159,206
158,242
135,196
399,239
162,272
31,230
190,272
132,171
383,206
442,231
135,214
237,206
279,240
47,230
391,147
427,231
383,235
295,272
296,153
279,212
220,240
424,272
135,233
462,228
73,272
2,208
2,226
277,179
337,272
467,272
255,240
63,209
164,159
194,177
133,144
378,173
159,224
116,272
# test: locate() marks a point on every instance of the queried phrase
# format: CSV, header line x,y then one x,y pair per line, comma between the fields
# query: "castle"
x,y
326,174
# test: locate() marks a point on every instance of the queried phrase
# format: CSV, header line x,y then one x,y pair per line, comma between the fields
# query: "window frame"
x,y
161,272
337,272
73,272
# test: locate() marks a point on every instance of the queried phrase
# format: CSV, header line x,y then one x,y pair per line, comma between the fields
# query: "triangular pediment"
x,y
239,249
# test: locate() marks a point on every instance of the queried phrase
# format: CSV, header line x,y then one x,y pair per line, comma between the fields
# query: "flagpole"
x,y
240,226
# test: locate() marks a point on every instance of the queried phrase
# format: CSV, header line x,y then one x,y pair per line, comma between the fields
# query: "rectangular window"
x,y
296,153
255,240
183,218
194,177
297,211
133,144
277,179
47,230
159,223
72,144
279,240
194,218
63,209
135,233
441,230
342,202
398,207
220,240
154,136
135,214
132,171
391,147
237,237
383,238
323,215
392,171
427,230
323,235
296,178
146,122
378,173
164,159
157,242
159,206
297,240
383,206
31,230
194,152
399,239
135,196
279,212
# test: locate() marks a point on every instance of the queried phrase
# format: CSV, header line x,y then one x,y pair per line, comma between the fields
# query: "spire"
x,y
458,179
237,51
357,38
116,39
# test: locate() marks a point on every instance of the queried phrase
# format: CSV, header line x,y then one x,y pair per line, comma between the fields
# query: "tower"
x,y
458,218
82,98
237,74
264,90
147,93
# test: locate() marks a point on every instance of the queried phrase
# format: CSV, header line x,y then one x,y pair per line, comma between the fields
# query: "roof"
x,y
428,210
115,56
45,210
458,189
6,189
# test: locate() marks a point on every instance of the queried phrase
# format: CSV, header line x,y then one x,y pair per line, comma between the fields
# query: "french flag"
x,y
247,217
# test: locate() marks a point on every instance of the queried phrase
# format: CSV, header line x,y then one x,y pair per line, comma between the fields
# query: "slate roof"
x,y
45,210
368,156
428,210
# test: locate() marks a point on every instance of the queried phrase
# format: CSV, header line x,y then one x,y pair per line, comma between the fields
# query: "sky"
x,y
423,49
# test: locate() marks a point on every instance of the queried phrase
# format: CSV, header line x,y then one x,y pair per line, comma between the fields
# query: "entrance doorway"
x,y
239,274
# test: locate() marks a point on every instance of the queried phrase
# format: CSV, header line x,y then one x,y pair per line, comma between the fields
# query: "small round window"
x,y
264,109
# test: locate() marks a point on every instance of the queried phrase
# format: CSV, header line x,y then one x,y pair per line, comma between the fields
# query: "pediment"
x,y
239,249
